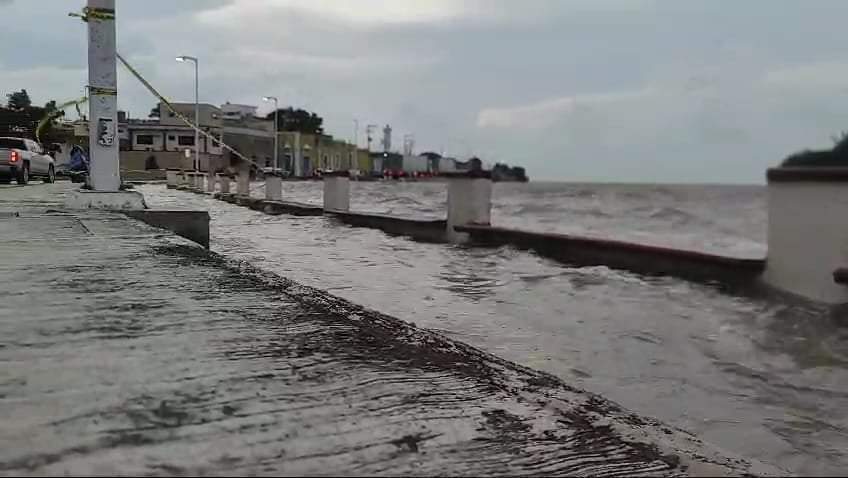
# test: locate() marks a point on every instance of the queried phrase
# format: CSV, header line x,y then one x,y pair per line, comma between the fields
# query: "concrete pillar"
x,y
210,181
224,183
172,177
243,183
273,187
296,156
337,191
182,177
105,174
198,181
469,201
807,231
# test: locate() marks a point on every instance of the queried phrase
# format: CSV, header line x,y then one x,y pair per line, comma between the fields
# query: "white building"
x,y
447,165
416,164
170,134
233,111
157,137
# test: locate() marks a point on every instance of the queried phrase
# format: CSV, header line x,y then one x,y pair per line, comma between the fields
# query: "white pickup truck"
x,y
22,159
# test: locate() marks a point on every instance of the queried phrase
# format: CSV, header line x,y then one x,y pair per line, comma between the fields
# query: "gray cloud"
x,y
584,89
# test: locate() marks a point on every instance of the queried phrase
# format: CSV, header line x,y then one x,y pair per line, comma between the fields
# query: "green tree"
x,y
18,100
154,112
20,118
299,120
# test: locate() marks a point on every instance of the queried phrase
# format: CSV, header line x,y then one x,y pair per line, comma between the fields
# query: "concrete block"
x,y
108,200
192,225
243,183
273,187
469,202
807,232
172,178
224,183
337,191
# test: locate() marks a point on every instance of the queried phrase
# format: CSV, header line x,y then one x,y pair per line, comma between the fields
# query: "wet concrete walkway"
x,y
125,350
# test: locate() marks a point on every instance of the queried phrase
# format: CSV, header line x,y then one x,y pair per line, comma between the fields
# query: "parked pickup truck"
x,y
22,159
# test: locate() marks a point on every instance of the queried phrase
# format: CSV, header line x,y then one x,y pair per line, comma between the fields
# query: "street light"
x,y
184,58
276,127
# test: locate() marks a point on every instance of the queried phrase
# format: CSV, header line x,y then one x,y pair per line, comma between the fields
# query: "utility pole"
x,y
105,174
276,130
368,130
355,133
181,59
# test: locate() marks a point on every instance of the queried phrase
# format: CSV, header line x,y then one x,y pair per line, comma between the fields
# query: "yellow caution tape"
x,y
97,90
54,114
95,13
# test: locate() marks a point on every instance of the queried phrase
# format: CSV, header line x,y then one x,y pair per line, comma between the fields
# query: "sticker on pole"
x,y
105,131
188,153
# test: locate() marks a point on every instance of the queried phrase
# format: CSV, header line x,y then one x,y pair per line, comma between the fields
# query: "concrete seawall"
x,y
416,229
643,259
633,257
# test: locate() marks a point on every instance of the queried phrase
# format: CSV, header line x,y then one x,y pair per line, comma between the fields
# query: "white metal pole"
x,y
105,172
276,133
196,115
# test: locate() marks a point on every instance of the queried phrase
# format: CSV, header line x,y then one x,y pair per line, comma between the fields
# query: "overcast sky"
x,y
607,90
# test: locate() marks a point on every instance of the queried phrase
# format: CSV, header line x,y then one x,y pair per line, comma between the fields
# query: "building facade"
x,y
236,112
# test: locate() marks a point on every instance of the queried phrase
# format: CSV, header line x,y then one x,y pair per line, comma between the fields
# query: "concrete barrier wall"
x,y
807,231
572,250
192,225
638,258
419,230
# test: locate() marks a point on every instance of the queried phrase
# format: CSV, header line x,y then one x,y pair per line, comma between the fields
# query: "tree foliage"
x,y
19,100
20,118
298,120
505,172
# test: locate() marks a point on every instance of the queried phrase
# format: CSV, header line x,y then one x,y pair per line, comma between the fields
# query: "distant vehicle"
x,y
22,159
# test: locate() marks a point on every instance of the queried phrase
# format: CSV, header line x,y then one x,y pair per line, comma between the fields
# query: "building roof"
x,y
191,104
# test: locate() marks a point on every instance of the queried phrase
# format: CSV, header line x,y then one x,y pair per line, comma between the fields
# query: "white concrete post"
x,y
103,143
297,156
337,191
469,201
198,181
183,177
273,187
172,178
210,173
807,231
243,183
224,183
194,177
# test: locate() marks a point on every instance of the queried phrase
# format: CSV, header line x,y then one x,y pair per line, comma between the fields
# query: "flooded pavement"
x,y
127,351
765,379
